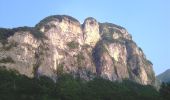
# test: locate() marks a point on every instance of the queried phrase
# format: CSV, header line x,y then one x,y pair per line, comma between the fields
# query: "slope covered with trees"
x,y
14,86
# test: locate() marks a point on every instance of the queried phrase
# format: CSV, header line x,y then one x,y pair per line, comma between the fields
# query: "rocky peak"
x,y
91,31
112,31
64,22
60,44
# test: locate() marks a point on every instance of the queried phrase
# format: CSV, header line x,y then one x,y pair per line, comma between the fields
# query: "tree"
x,y
165,91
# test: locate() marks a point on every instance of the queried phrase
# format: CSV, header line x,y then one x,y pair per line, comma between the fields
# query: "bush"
x,y
7,60
73,45
4,34
34,31
9,46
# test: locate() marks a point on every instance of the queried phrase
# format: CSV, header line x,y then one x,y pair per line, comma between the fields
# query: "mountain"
x,y
60,44
165,76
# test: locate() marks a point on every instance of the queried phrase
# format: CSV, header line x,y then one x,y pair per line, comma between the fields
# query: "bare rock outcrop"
x,y
60,44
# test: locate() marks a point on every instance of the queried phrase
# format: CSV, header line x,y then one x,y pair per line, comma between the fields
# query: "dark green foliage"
x,y
4,34
165,91
18,87
73,45
68,88
7,60
14,86
101,89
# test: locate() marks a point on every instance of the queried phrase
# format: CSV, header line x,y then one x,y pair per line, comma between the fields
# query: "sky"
x,y
148,21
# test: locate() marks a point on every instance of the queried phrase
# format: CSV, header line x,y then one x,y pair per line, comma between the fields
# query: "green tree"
x,y
165,91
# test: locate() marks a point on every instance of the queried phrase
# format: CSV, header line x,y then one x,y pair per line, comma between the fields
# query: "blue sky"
x,y
147,20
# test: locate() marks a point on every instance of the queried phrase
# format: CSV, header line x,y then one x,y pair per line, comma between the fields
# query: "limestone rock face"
x,y
60,44
19,52
91,31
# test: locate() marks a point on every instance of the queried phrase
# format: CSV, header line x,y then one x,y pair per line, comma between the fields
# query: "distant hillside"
x,y
165,76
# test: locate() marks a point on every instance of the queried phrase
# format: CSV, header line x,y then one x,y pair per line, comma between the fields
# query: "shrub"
x,y
60,70
4,34
73,45
80,59
34,31
9,46
8,59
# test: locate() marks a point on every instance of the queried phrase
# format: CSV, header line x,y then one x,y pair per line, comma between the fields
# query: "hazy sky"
x,y
147,20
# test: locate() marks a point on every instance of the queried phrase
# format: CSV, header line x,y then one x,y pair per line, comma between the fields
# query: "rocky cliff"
x,y
60,44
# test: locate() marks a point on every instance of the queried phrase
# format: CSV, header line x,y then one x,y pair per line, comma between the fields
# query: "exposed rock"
x,y
21,47
91,31
60,44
